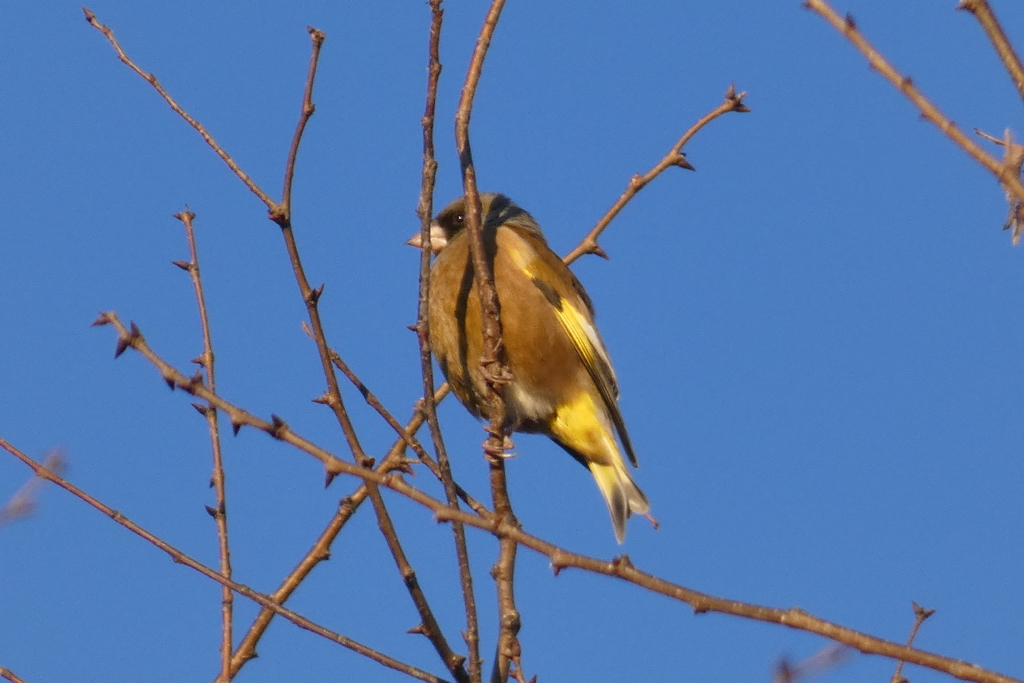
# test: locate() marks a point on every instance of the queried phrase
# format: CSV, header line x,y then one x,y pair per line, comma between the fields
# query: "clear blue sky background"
x,y
817,334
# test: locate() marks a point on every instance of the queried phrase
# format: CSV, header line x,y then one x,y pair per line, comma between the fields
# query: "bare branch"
x,y
425,210
675,157
181,558
493,367
10,675
621,567
321,549
982,11
403,432
333,399
920,614
1008,177
151,79
220,513
317,37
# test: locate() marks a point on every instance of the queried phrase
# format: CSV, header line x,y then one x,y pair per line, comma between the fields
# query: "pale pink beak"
x,y
438,240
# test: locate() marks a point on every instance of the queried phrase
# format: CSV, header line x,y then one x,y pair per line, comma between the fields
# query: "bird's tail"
x,y
621,494
583,428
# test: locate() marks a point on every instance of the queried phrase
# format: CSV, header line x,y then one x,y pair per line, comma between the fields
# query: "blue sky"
x,y
816,335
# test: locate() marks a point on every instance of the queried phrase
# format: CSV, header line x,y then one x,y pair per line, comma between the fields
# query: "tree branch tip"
x,y
418,629
413,328
736,100
199,360
169,380
89,15
236,426
201,409
324,399
103,319
211,511
922,613
316,35
184,216
598,251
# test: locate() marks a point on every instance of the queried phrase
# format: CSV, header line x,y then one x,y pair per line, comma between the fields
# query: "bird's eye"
x,y
460,219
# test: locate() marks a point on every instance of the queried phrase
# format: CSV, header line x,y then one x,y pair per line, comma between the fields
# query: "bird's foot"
x,y
503,452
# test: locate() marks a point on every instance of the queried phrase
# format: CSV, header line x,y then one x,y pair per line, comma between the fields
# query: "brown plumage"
x,y
562,383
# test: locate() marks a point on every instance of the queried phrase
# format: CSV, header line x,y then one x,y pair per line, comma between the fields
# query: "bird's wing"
x,y
575,318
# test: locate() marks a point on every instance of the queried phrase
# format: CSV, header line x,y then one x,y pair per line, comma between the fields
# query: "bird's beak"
x,y
438,240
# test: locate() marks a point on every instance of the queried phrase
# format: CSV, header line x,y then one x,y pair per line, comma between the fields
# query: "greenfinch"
x,y
562,383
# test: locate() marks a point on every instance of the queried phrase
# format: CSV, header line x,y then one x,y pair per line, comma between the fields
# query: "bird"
x,y
562,384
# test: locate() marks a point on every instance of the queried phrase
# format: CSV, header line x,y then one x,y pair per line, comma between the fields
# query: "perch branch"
x,y
495,372
620,567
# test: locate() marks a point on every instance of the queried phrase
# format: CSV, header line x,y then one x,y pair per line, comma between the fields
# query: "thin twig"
x,y
151,79
493,366
675,157
321,549
182,558
317,37
1013,158
920,614
404,433
1007,176
425,210
219,513
332,398
620,567
982,11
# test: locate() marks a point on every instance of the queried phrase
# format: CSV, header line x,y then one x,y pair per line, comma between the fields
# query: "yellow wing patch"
x,y
585,341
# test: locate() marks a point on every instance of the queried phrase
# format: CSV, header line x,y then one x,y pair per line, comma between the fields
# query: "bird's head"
x,y
496,209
